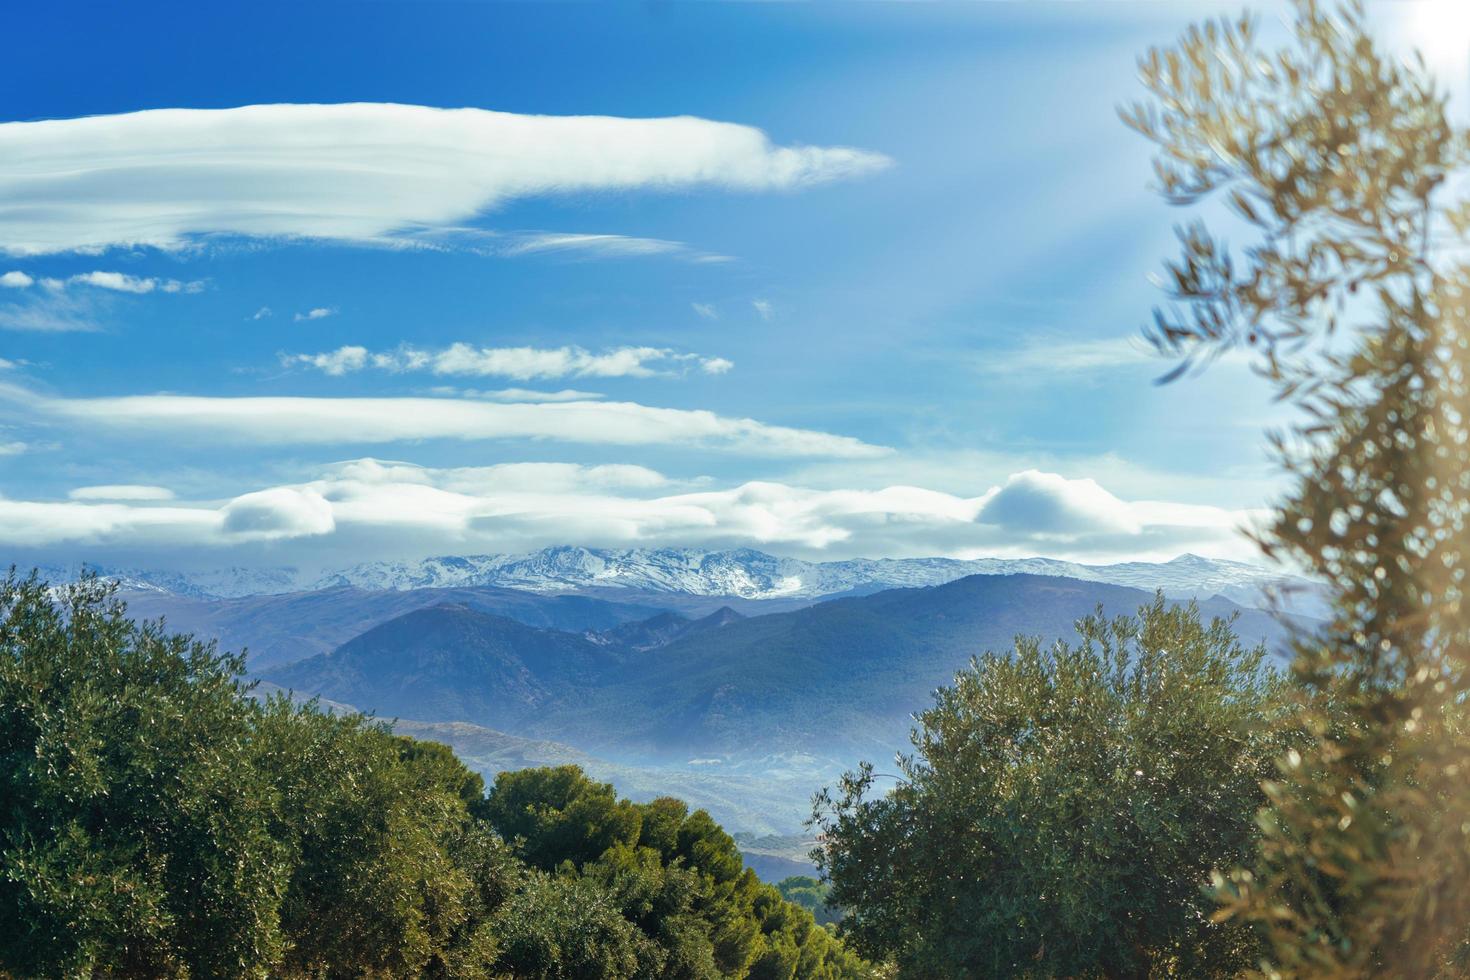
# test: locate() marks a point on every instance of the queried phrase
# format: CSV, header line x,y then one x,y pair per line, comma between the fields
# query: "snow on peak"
x,y
740,572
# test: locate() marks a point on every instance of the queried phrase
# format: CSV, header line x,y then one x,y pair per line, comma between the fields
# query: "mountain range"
x,y
742,573
835,680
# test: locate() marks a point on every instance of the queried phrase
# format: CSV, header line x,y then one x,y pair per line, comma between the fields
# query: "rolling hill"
x,y
280,629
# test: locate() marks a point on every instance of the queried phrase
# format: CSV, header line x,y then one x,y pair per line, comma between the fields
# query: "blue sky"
x,y
901,322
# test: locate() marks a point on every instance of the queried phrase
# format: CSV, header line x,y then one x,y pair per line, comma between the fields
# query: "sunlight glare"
x,y
1440,30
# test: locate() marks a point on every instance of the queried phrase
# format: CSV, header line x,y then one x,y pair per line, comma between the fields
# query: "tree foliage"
x,y
1354,295
158,821
135,828
1064,808
811,894
676,876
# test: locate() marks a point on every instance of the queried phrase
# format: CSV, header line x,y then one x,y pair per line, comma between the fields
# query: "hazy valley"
x,y
634,666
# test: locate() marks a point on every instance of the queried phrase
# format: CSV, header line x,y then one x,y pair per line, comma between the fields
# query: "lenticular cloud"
x,y
358,172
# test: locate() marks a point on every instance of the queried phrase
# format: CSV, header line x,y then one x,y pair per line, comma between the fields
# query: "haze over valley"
x,y
736,680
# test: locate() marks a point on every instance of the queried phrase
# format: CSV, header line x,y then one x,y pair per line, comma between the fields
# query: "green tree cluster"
x,y
1064,808
678,881
158,821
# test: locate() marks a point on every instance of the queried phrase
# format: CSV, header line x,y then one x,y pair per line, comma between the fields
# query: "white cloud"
x,y
12,448
123,283
526,363
1048,504
602,245
519,394
262,313
502,477
281,512
764,308
956,469
520,363
318,313
323,421
716,365
118,282
25,524
56,308
336,363
373,508
121,491
357,172
511,244
174,286
705,310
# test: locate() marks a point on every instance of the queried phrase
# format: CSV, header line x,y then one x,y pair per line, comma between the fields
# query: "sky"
x,y
313,284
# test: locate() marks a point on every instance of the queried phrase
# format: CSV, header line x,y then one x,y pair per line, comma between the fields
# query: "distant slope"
x,y
834,680
454,663
778,856
841,676
489,751
665,628
280,629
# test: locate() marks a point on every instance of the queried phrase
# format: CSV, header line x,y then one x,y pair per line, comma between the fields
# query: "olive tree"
x,y
135,826
1352,294
1064,808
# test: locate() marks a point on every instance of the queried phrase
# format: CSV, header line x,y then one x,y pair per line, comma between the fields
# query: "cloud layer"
x,y
355,172
385,509
121,491
51,305
519,363
118,282
283,421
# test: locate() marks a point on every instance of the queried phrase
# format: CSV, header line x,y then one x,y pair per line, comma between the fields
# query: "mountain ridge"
x,y
453,663
291,626
834,679
743,572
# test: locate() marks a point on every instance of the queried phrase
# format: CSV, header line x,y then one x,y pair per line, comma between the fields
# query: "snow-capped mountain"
x,y
753,574
215,583
741,572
